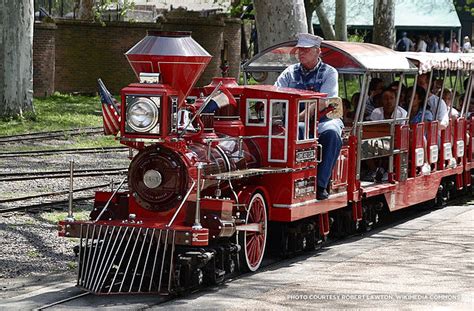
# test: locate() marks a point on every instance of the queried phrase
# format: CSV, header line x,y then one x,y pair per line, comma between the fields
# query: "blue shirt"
x,y
323,79
417,117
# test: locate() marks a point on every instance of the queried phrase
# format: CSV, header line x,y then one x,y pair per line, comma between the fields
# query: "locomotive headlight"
x,y
142,114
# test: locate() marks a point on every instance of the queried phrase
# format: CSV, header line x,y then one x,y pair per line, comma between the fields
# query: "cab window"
x,y
306,120
256,110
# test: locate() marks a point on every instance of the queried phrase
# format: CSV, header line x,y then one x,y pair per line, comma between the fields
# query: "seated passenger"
x,y
448,99
417,108
375,88
387,111
438,106
349,111
437,85
470,103
403,102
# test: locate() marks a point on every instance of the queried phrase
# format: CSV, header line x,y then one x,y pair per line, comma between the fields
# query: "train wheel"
x,y
253,242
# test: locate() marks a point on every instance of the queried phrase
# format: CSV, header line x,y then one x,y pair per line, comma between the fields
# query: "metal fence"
x,y
70,9
56,8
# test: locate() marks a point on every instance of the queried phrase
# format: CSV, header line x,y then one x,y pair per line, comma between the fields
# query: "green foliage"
x,y
357,36
122,5
466,5
352,86
238,8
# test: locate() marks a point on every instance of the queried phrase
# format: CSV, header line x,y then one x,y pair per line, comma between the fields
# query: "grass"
x,y
71,265
60,112
55,217
57,112
32,254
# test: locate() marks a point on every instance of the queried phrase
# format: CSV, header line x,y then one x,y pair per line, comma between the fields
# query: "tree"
x,y
278,21
340,24
16,57
326,26
384,17
309,7
86,10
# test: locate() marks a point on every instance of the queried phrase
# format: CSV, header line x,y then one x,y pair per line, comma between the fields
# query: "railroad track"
x,y
62,301
21,176
43,205
50,194
269,263
17,154
50,134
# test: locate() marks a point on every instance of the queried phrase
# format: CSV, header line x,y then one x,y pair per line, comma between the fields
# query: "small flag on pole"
x,y
110,110
222,99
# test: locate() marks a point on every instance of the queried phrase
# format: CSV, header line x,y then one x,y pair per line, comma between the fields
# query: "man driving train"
x,y
312,74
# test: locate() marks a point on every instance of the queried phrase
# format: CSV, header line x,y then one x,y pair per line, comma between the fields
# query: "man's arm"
x,y
443,115
283,79
330,84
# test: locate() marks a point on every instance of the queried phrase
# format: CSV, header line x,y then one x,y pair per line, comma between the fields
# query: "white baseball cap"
x,y
307,40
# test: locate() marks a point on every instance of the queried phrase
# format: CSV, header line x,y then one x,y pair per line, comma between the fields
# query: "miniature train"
x,y
210,192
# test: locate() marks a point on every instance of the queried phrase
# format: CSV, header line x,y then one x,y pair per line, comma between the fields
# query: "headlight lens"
x,y
142,114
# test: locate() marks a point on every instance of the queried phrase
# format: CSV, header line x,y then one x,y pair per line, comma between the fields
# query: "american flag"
x,y
110,110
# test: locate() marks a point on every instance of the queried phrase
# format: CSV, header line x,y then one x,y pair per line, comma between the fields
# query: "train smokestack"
x,y
175,55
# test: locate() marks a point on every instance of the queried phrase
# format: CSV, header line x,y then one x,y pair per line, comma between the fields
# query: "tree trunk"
x,y
86,10
340,22
16,57
384,15
324,22
278,21
309,7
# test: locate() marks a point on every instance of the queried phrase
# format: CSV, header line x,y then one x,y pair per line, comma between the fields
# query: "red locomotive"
x,y
211,192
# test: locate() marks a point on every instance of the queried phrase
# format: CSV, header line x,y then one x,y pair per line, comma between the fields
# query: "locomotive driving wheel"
x,y
253,241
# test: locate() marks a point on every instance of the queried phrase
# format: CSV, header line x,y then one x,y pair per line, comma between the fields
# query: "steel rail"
x,y
63,175
42,205
62,301
39,173
54,193
50,132
46,135
15,154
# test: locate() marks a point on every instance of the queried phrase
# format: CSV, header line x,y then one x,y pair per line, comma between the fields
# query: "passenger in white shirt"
x,y
437,106
421,46
448,98
387,111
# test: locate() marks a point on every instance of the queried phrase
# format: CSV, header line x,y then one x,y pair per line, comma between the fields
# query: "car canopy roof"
x,y
440,61
346,57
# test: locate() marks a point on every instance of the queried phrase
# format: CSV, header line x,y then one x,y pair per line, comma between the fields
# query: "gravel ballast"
x,y
28,239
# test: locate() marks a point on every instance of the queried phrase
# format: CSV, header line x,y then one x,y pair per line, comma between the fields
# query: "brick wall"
x,y
232,35
83,51
209,35
87,51
43,59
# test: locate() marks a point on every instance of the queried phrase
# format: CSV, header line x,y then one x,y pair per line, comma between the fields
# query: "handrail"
x,y
384,121
110,199
181,205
